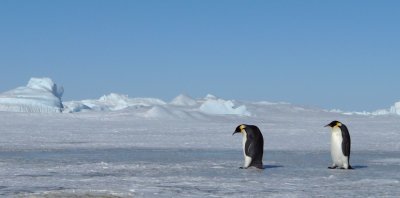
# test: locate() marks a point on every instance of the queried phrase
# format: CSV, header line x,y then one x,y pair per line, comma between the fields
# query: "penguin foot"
x,y
332,167
242,167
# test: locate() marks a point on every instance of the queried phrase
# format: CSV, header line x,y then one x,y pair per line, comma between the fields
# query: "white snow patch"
x,y
183,100
210,97
40,95
220,106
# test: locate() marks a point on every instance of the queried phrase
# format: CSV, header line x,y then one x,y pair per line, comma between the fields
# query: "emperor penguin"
x,y
340,145
253,145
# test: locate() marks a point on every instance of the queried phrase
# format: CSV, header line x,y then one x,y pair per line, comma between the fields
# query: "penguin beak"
x,y
326,125
235,132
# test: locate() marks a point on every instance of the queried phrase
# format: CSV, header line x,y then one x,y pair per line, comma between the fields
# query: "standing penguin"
x,y
253,145
340,145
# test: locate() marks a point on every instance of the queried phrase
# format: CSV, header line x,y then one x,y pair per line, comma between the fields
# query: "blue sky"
x,y
329,54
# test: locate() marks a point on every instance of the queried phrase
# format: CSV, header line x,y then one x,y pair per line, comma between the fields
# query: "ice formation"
x,y
111,102
40,95
212,105
43,95
183,100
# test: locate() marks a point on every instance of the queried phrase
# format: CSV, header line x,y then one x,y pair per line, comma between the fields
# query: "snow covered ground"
x,y
118,146
122,154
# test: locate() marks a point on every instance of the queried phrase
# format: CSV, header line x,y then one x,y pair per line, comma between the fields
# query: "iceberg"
x,y
39,95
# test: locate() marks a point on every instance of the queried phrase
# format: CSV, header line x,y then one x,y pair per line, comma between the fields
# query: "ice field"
x,y
119,155
118,146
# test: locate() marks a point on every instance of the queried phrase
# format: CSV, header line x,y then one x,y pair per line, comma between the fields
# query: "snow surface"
x,y
40,95
118,146
165,151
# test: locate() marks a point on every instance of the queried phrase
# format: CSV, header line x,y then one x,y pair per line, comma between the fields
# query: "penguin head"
x,y
239,129
334,124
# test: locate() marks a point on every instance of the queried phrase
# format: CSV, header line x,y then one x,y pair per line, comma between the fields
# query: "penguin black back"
x,y
255,145
346,143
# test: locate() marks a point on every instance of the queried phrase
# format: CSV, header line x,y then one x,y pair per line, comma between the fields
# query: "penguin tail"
x,y
257,164
350,167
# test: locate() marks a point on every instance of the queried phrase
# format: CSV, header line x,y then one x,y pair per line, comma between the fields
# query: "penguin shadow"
x,y
272,166
359,167
264,167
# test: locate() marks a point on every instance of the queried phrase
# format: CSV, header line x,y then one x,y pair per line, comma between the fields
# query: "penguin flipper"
x,y
346,143
253,153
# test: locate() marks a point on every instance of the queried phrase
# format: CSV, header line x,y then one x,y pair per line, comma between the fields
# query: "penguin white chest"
x,y
336,147
247,159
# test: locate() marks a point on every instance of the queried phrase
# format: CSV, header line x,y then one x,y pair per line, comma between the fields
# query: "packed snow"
x,y
118,146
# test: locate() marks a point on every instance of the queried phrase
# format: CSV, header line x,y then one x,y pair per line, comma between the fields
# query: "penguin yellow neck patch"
x,y
242,127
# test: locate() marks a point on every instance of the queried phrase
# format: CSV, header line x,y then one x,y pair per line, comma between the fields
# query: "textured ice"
x,y
40,95
111,102
151,172
75,106
180,107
